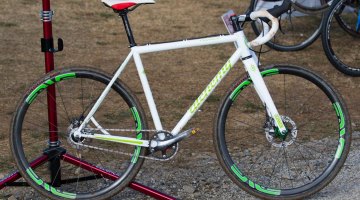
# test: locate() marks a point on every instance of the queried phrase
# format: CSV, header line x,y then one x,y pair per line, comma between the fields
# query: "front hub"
x,y
279,139
280,135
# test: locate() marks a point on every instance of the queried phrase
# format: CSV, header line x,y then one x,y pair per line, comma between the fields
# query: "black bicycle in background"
x,y
341,36
300,26
338,21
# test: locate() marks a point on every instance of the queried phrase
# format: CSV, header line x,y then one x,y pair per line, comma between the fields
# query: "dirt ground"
x,y
93,36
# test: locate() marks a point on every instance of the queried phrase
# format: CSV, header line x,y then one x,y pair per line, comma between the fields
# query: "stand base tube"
x,y
75,161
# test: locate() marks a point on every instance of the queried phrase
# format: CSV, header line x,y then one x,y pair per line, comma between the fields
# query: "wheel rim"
x,y
253,166
74,96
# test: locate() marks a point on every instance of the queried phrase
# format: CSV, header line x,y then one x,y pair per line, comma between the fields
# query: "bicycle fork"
x,y
263,92
261,89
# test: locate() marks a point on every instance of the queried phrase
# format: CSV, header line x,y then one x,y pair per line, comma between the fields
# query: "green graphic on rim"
x,y
49,188
252,184
342,130
45,85
234,168
247,82
139,134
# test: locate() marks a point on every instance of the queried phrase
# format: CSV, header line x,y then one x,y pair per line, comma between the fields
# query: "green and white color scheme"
x,y
243,51
102,137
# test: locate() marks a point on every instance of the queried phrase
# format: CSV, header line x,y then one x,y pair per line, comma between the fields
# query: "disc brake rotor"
x,y
279,142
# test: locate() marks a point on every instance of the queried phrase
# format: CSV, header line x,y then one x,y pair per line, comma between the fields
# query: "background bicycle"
x,y
341,36
299,27
110,40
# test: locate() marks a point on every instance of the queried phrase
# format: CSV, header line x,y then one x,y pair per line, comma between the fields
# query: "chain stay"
x,y
119,152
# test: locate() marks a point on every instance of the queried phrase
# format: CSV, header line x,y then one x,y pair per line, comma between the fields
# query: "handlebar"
x,y
266,16
262,39
276,11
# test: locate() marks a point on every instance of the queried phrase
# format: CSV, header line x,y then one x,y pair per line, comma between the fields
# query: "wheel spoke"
x,y
86,173
294,163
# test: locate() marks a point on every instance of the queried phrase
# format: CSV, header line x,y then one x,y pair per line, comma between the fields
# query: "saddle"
x,y
119,5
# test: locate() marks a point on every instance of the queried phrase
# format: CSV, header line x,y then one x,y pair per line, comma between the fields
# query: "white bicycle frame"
x,y
243,52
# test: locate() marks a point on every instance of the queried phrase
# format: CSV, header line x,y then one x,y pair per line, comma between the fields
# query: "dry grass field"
x,y
94,36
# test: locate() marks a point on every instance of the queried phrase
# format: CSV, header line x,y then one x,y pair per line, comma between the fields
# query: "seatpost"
x,y
123,15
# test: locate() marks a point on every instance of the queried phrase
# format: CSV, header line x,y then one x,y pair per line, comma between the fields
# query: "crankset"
x,y
166,152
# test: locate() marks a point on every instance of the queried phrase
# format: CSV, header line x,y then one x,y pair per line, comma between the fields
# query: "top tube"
x,y
186,43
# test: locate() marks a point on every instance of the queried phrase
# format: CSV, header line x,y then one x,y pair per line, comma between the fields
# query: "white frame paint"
x,y
243,52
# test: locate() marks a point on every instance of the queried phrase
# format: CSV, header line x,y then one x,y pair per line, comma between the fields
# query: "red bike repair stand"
x,y
47,46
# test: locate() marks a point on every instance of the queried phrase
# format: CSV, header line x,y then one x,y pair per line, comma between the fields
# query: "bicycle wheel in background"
x,y
341,39
77,89
297,30
311,6
292,166
346,22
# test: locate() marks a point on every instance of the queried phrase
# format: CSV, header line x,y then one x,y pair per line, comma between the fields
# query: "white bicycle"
x,y
280,131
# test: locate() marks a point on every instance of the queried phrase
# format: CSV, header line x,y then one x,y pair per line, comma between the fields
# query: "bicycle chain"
x,y
119,152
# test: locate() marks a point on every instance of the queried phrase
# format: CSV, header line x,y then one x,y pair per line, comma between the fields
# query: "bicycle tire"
x,y
346,27
294,35
344,23
271,167
77,89
338,32
301,6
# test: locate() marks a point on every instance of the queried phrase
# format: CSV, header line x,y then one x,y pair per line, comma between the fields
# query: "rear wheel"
x,y
268,164
81,168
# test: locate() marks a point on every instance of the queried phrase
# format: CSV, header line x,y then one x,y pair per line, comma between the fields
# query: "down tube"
x,y
207,92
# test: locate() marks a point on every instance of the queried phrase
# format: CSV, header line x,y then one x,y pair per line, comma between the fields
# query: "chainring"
x,y
166,153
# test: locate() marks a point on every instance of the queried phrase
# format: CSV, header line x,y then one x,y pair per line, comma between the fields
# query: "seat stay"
x,y
103,95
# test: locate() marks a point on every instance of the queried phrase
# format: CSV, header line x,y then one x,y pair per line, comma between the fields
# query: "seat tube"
x,y
147,91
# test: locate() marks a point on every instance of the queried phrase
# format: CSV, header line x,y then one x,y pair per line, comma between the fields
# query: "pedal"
x,y
194,131
170,139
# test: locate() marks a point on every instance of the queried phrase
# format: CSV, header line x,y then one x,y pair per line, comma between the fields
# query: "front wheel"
x,y
268,164
60,165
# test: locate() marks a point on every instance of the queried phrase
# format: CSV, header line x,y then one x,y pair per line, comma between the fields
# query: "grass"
x,y
251,107
106,15
7,24
101,43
